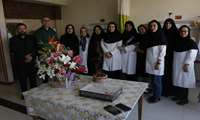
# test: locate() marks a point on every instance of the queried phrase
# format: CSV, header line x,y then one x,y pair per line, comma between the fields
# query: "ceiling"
x,y
48,2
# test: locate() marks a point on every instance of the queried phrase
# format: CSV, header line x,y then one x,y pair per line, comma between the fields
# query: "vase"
x,y
70,81
55,83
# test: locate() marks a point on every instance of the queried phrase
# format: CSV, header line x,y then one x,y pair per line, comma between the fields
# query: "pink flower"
x,y
56,54
77,59
80,69
50,61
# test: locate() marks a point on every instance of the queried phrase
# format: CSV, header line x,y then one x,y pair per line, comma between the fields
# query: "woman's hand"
x,y
108,55
185,67
28,58
157,66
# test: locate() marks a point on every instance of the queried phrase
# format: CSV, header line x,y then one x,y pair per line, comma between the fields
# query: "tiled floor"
x,y
8,114
11,92
163,110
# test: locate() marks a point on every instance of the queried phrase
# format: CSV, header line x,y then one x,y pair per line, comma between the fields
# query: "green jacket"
x,y
42,35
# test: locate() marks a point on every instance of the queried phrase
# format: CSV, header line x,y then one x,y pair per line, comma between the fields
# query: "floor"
x,y
163,110
9,114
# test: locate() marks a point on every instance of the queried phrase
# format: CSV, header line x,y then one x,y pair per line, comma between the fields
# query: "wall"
x,y
24,10
34,24
55,2
84,12
5,65
30,13
143,11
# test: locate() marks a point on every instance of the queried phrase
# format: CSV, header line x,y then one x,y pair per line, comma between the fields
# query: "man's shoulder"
x,y
52,30
30,36
39,30
13,38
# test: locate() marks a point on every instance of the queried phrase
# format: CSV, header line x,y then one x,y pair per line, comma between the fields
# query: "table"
x,y
65,104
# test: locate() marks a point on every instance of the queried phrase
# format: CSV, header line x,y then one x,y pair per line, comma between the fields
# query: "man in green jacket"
x,y
44,33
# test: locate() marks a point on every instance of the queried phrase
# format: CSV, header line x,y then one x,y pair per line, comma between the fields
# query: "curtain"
x,y
124,13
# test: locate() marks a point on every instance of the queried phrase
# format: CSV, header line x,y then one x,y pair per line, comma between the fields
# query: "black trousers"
x,y
114,74
168,89
181,93
131,77
24,73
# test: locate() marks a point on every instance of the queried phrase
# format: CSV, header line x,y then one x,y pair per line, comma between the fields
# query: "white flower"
x,y
42,76
50,72
72,65
64,59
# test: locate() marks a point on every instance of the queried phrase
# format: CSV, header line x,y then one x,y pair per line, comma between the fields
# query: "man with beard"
x,y
23,52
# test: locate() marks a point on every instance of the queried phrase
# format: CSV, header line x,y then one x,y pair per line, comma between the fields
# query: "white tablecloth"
x,y
65,104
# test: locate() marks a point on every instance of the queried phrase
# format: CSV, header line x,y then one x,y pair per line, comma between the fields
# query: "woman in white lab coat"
x,y
83,46
185,52
156,51
112,56
129,55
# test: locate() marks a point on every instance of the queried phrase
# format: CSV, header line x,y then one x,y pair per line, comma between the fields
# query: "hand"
x,y
28,58
185,67
157,66
108,55
70,53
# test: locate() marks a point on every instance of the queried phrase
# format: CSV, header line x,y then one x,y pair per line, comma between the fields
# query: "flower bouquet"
x,y
58,64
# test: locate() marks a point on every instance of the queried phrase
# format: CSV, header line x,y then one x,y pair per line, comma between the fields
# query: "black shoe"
x,y
182,102
148,91
153,99
175,98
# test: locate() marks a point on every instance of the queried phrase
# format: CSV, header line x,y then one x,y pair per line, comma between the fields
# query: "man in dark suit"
x,y
23,53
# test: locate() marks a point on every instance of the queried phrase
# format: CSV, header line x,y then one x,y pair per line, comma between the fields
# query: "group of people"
x,y
164,54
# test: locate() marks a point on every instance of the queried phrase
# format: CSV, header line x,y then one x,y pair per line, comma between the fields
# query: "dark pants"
x,y
140,66
114,74
24,73
182,93
168,89
157,85
131,77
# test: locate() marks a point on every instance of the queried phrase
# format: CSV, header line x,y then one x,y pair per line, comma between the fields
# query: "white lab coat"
x,y
153,54
181,78
113,63
84,54
129,58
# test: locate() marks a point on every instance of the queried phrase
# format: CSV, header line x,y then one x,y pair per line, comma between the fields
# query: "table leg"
x,y
140,105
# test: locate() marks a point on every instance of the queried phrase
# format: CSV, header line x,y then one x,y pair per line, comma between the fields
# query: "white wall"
x,y
143,11
84,12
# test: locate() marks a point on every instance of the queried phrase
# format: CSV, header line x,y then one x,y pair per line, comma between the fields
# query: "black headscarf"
x,y
112,37
142,38
184,44
95,52
172,33
128,34
95,37
70,40
155,38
